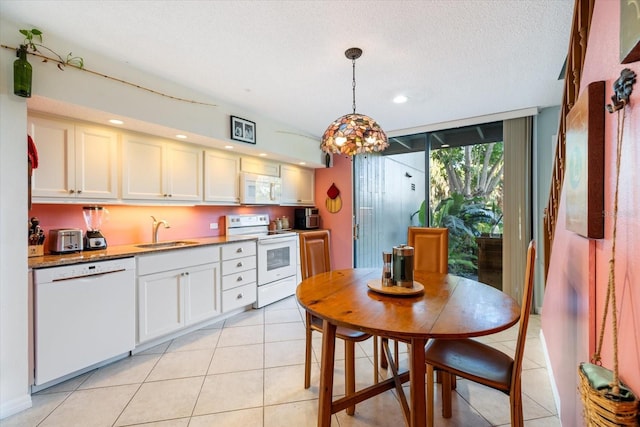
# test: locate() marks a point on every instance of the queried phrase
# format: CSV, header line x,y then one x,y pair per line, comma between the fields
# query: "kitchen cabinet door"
x,y
259,166
54,140
184,172
221,177
143,168
297,186
75,161
160,304
96,163
202,293
154,169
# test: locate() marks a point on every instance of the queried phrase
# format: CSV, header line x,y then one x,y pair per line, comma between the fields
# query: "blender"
x,y
93,217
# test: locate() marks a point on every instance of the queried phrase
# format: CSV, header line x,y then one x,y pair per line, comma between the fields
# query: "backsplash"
x,y
132,224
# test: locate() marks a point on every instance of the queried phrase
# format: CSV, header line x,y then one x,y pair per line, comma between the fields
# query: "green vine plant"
x,y
29,43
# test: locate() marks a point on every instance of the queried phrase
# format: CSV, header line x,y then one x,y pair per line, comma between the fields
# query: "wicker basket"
x,y
603,410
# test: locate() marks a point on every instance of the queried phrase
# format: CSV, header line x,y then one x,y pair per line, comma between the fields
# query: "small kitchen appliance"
x,y
403,266
94,216
307,218
65,240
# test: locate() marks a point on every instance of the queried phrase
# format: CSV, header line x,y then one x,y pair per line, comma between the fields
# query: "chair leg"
x,y
307,357
515,398
430,395
349,372
446,394
376,372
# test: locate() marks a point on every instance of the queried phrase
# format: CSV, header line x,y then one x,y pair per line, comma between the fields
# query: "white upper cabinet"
x,y
259,166
221,177
297,186
154,169
75,161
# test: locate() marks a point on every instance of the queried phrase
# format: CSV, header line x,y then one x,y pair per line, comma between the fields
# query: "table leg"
x,y
417,372
325,398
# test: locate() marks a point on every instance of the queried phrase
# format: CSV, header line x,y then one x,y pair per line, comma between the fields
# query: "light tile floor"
x,y
249,371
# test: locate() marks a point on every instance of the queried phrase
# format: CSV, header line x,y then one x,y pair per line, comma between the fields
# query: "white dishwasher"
x,y
84,314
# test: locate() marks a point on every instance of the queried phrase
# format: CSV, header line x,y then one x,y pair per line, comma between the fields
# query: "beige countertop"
x,y
124,251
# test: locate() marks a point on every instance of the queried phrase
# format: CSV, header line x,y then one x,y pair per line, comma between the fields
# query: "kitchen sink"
x,y
160,245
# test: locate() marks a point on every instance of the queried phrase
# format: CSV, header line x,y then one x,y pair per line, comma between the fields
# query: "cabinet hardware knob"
x,y
239,250
165,195
71,191
79,191
239,279
239,264
239,296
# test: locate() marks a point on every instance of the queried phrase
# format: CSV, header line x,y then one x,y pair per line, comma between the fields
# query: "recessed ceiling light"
x,y
262,154
116,122
229,147
445,146
400,99
302,163
181,136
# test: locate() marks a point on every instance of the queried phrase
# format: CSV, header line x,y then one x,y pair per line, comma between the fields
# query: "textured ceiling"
x,y
453,59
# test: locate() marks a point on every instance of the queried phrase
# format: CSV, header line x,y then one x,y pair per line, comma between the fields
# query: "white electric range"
x,y
276,256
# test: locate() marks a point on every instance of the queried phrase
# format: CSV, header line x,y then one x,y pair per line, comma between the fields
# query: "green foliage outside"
x,y
466,198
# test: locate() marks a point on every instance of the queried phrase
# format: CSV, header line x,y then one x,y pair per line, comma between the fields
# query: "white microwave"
x,y
258,189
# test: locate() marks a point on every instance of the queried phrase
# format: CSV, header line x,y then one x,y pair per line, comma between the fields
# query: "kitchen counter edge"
x,y
124,251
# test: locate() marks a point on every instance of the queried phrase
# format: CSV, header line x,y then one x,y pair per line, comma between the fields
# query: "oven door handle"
x,y
272,242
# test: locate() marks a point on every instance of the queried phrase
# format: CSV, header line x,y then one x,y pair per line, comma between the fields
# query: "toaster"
x,y
64,240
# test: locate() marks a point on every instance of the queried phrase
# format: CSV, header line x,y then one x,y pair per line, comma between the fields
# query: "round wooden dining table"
x,y
449,307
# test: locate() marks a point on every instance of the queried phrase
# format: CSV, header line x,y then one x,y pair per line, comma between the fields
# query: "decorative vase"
x,y
22,74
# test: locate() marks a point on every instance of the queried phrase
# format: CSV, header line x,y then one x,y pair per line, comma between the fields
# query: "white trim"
x,y
11,407
515,114
554,388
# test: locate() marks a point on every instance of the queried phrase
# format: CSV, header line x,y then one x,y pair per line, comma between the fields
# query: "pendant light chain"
x,y
353,61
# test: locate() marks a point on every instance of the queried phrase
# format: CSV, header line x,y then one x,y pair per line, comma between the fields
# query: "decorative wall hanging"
x,y
607,400
333,202
22,71
629,31
584,179
243,130
78,63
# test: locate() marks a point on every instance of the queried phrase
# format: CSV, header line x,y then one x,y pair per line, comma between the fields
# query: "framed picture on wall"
x,y
243,130
584,175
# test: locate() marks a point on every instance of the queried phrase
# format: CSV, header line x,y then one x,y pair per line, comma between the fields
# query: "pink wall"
x,y
132,224
340,222
578,270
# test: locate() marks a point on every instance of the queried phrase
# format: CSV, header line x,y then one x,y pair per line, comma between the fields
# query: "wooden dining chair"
x,y
430,249
470,359
315,259
431,255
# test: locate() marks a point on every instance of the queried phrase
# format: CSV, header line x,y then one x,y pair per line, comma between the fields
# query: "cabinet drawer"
x,y
237,265
238,297
181,258
238,279
238,250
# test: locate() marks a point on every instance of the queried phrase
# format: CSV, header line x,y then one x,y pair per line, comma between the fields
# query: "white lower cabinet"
x,y
176,289
239,277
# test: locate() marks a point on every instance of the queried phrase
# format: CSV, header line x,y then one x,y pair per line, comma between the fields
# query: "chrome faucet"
x,y
156,225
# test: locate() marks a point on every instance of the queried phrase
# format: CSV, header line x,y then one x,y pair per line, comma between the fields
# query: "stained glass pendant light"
x,y
354,133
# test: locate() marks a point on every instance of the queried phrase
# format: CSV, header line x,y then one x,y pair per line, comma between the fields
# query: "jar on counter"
x,y
285,223
278,224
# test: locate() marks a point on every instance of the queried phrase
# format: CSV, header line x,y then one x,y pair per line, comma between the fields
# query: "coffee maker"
x,y
94,216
